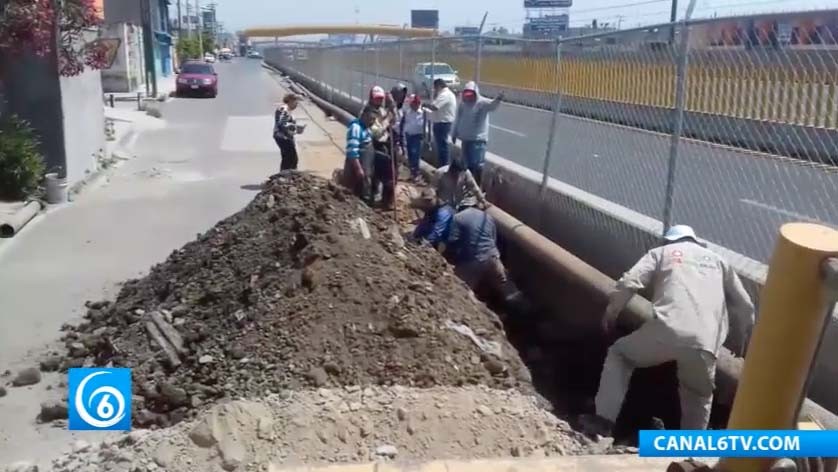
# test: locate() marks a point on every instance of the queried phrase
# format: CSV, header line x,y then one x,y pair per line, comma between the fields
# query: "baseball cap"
x,y
677,232
377,92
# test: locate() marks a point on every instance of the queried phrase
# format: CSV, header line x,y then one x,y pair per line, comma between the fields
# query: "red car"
x,y
197,78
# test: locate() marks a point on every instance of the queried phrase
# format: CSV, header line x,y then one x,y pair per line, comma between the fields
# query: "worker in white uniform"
x,y
693,293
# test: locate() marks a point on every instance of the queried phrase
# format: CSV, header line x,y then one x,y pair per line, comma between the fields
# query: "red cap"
x,y
377,92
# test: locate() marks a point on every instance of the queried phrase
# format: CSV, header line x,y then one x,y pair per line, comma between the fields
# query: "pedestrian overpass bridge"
x,y
382,30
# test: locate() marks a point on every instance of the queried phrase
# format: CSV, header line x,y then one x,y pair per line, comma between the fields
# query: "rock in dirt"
x,y
23,466
387,450
51,363
2,392
201,435
241,284
27,376
52,410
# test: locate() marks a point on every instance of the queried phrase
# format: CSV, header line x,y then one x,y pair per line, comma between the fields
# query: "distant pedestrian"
x,y
285,128
472,127
413,128
695,296
444,108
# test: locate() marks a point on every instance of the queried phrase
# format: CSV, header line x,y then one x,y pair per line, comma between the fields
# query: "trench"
x,y
565,360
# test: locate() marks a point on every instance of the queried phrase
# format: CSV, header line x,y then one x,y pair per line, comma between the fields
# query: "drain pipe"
x,y
565,265
11,225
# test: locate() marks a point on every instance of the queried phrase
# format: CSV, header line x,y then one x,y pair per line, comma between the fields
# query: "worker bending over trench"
x,y
694,291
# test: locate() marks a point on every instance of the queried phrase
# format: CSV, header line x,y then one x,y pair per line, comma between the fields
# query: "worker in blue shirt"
x,y
436,222
357,169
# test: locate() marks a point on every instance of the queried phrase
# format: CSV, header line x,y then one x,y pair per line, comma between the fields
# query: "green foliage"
x,y
188,48
209,41
21,163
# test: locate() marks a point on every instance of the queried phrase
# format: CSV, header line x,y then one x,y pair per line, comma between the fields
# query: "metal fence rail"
x,y
733,136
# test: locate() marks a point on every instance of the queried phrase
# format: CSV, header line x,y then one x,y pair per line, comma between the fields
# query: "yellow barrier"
x,y
793,312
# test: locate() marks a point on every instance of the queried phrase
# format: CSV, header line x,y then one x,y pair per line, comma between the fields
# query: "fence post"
x,y
433,67
678,126
377,65
363,70
554,121
479,59
401,59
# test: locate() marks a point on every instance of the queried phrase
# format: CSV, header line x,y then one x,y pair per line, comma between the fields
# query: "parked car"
x,y
197,78
424,74
253,54
226,56
209,58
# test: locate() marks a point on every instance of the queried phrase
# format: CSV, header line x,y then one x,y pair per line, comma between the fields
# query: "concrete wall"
x,y
84,123
126,73
605,235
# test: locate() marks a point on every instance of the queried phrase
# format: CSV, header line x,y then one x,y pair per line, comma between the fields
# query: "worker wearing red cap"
x,y
472,127
381,130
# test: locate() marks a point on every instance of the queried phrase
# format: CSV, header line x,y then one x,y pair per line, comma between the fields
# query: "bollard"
x,y
139,101
794,308
112,101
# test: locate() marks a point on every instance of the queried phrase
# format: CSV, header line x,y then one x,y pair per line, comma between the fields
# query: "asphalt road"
x,y
737,199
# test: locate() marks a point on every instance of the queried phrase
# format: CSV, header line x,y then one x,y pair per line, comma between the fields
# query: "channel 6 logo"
x,y
99,400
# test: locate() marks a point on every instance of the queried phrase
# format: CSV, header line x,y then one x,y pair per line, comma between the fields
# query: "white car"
x,y
209,58
253,54
424,75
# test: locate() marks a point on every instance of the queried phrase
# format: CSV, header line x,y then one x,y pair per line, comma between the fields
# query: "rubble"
x,y
26,377
317,426
310,291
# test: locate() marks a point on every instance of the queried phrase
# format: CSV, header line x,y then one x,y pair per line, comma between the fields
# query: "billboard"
x,y
548,3
466,30
424,19
549,26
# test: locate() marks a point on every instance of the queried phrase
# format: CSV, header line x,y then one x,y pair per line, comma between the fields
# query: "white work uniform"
x,y
446,107
693,291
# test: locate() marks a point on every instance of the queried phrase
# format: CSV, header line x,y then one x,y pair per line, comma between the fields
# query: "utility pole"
x,y
200,28
179,22
672,17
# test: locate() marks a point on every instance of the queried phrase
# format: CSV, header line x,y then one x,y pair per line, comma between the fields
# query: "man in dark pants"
x,y
285,127
357,169
444,108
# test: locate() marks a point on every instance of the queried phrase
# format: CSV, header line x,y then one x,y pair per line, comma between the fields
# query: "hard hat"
x,y
678,232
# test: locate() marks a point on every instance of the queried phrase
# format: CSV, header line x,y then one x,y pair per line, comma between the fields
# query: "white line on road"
x,y
790,214
510,131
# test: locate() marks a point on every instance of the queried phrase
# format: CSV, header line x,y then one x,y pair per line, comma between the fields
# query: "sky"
x,y
240,14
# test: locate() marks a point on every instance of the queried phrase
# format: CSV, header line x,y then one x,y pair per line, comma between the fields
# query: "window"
x,y
193,68
439,69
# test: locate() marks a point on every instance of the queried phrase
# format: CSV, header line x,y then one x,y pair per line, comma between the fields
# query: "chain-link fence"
x,y
729,130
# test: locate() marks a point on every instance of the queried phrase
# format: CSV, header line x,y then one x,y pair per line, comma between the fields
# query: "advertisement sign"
x,y
424,19
549,26
466,30
548,3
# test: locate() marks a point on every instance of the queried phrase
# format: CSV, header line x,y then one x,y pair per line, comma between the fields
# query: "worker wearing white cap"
x,y
693,292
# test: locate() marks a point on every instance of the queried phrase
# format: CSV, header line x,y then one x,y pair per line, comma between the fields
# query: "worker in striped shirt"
x,y
358,167
285,128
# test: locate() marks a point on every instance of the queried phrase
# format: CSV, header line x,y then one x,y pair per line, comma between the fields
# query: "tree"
x,y
188,48
208,40
47,26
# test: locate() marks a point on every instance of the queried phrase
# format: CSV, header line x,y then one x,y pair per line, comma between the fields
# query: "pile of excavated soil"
x,y
342,425
305,287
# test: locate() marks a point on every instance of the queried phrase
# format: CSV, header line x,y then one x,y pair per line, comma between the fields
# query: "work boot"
x,y
595,425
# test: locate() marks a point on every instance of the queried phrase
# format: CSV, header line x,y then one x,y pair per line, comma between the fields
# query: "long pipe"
x,y
565,265
10,225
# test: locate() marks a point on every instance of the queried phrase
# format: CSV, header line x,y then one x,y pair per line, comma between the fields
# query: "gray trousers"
x,y
649,346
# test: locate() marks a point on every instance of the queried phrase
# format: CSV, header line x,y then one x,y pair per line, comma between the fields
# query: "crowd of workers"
x,y
696,295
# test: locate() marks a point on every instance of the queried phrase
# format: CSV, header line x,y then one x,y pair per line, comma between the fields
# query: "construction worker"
x,y
471,125
455,185
413,130
285,128
693,293
382,141
436,221
444,108
357,169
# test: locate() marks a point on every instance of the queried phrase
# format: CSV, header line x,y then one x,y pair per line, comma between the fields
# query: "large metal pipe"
x,y
384,30
566,266
10,225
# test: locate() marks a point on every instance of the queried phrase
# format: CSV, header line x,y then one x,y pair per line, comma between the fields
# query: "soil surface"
x,y
346,425
305,287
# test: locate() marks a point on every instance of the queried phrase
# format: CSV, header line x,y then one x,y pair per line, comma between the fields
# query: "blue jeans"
x,y
474,155
443,147
414,152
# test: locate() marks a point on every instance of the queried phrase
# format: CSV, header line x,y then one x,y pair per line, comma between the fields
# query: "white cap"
x,y
677,232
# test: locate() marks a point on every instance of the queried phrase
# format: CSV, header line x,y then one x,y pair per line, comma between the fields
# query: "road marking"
x,y
781,211
510,131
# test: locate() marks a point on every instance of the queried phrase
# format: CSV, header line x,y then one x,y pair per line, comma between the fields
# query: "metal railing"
x,y
722,129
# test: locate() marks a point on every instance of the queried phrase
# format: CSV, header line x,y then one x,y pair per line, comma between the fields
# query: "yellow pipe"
x,y
793,310
280,31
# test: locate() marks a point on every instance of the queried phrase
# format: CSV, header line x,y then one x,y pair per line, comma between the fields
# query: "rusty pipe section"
x,y
565,266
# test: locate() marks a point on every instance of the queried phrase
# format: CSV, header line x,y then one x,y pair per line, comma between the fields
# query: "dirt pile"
x,y
305,287
342,425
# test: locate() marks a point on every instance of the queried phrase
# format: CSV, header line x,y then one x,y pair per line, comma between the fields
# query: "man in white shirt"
x,y
444,108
